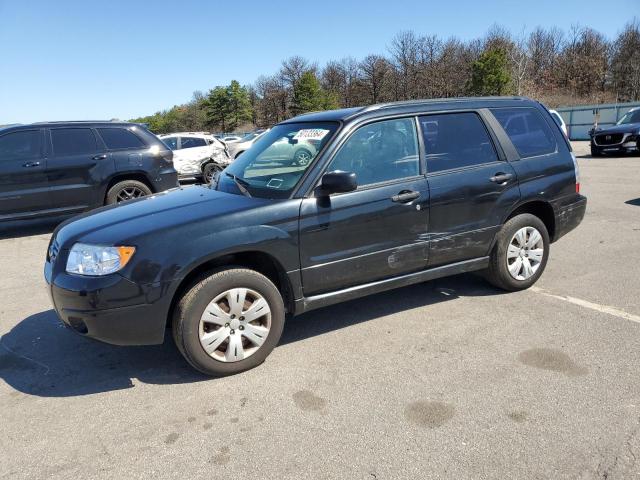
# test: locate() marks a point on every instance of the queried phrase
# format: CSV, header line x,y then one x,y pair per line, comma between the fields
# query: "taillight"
x,y
577,171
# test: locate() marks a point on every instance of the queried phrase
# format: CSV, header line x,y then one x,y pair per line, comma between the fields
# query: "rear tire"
x,y
126,190
207,317
519,256
209,171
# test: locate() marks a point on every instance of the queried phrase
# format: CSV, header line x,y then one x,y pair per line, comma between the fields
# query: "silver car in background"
x,y
197,155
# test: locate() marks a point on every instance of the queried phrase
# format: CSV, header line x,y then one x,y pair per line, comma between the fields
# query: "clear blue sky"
x,y
65,60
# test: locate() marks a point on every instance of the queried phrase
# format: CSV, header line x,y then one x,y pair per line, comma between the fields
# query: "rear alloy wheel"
x,y
229,321
209,171
525,253
126,190
520,253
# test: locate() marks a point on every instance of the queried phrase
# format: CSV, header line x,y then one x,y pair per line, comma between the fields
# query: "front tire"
x,y
520,253
126,190
302,157
229,321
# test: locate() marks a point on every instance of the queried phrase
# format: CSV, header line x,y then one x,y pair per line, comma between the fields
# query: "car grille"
x,y
609,138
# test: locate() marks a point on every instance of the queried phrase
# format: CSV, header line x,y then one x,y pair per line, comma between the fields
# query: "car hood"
x,y
626,128
122,224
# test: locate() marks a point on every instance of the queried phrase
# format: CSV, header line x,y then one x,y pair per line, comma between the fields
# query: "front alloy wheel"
x,y
235,324
228,321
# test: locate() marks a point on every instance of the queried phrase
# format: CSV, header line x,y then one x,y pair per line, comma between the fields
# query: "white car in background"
x,y
196,155
558,119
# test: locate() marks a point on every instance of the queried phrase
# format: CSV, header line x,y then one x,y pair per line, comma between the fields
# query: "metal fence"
x,y
580,119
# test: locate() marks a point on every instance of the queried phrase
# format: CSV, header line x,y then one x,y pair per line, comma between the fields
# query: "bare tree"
x,y
625,62
374,70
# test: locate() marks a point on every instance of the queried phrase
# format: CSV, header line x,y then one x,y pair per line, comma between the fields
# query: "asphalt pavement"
x,y
446,379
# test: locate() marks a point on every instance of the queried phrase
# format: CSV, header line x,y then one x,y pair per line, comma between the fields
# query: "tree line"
x,y
579,66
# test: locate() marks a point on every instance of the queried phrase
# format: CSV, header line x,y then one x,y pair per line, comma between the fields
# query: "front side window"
x,y
191,142
380,152
171,142
455,140
23,144
118,138
528,131
275,163
73,141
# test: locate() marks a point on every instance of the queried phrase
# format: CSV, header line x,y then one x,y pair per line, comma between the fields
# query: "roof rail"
x,y
81,121
402,103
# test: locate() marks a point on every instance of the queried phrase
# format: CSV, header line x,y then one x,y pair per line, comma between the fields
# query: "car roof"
x,y
186,134
88,123
410,106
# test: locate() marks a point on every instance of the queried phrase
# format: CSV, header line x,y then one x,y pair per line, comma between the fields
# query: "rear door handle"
x,y
31,164
501,177
100,157
405,196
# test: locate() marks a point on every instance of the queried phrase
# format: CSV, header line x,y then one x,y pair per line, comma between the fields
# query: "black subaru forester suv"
x,y
60,168
396,194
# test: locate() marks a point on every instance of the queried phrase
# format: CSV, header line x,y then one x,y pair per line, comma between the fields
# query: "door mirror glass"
x,y
338,182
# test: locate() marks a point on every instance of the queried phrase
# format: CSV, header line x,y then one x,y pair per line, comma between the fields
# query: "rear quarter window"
x,y
527,130
120,138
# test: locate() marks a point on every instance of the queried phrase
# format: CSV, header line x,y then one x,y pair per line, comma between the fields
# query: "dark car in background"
x,y
59,168
393,195
623,137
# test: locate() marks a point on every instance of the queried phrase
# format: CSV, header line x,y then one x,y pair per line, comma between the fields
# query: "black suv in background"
x,y
392,195
61,168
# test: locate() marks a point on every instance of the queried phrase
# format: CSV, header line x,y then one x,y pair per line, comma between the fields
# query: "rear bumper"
x,y
111,309
165,180
569,215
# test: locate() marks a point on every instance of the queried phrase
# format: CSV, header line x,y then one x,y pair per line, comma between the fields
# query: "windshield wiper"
x,y
242,185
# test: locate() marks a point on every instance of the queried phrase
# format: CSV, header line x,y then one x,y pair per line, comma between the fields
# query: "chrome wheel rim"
x,y
129,193
235,324
525,253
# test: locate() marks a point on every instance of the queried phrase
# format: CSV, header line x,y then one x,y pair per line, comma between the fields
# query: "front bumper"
x,y
110,308
569,215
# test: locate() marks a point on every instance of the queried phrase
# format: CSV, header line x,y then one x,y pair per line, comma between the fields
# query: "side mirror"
x,y
337,182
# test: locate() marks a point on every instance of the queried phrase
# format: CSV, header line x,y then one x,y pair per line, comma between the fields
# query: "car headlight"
x,y
97,260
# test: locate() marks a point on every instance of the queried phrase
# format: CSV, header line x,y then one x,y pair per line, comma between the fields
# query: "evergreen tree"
x,y
490,73
308,95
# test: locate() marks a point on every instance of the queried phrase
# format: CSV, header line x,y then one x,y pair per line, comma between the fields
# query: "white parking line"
x,y
586,304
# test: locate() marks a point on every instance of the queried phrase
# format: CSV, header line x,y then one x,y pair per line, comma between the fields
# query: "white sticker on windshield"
x,y
311,134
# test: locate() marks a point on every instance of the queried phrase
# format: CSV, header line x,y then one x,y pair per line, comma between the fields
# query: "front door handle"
x,y
501,177
100,157
31,164
405,196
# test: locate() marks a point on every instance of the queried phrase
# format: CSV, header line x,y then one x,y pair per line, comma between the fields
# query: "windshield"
x,y
630,117
274,164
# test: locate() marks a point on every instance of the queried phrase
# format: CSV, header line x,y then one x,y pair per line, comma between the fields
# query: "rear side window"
x,y
20,145
118,138
171,142
73,141
528,131
190,142
456,140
